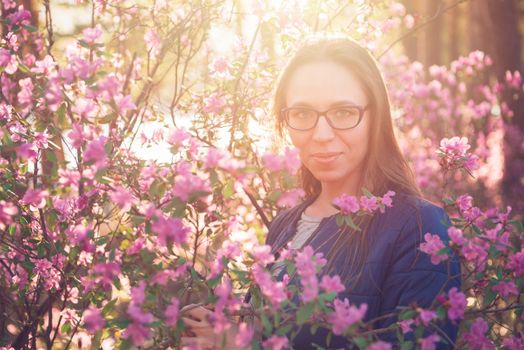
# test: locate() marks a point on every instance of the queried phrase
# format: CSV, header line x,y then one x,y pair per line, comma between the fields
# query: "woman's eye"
x,y
346,113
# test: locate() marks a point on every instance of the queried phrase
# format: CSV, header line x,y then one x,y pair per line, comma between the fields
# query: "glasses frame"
x,y
361,110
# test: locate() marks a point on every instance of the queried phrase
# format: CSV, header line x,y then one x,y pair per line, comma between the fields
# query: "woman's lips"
x,y
325,157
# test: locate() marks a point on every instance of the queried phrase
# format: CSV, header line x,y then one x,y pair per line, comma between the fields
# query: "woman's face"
x,y
334,157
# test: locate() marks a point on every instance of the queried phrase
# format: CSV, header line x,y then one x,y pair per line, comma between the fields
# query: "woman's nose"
x,y
323,131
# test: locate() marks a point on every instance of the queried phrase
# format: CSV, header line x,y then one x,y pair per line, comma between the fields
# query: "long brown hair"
x,y
384,167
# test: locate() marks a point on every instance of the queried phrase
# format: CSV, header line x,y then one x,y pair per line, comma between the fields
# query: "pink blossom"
x,y
187,183
368,204
347,204
8,61
429,342
220,65
95,152
137,332
379,345
456,236
214,103
123,198
49,275
426,316
153,42
105,273
92,34
177,137
26,151
44,66
405,326
331,284
124,103
514,342
273,291
345,315
244,335
292,160
7,211
139,315
505,289
138,293
170,230
93,320
172,312
276,342
457,304
516,263
35,198
78,135
432,246
387,200
25,95
476,335
41,140
290,198
262,254
464,202
273,162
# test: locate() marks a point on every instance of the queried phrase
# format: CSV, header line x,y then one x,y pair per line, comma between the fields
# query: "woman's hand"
x,y
199,331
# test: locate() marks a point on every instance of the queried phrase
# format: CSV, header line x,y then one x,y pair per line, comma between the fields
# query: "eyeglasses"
x,y
340,118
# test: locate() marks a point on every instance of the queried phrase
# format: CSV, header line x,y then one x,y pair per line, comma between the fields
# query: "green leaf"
x,y
361,342
108,307
283,330
30,28
267,325
366,192
228,190
304,313
340,220
407,315
489,296
407,345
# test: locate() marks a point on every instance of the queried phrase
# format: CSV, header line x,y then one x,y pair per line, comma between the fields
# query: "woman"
x,y
332,100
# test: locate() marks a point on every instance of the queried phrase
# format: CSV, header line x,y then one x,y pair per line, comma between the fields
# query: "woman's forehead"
x,y
323,84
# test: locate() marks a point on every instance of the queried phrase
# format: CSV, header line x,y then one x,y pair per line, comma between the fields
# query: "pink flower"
x,y
172,312
368,204
214,103
244,335
345,315
25,95
457,304
177,137
35,198
432,246
138,293
124,103
92,34
505,289
290,198
292,160
170,230
405,326
41,140
347,204
153,42
7,211
274,291
516,263
475,336
139,315
387,200
456,236
426,316
26,151
137,332
514,342
262,254
78,135
273,162
93,320
44,66
95,152
429,342
331,284
123,198
276,342
464,202
8,61
379,345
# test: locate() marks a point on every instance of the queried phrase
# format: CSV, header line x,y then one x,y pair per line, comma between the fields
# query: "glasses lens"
x,y
344,117
301,118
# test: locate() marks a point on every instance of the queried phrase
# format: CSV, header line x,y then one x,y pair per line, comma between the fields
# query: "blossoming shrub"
x,y
101,248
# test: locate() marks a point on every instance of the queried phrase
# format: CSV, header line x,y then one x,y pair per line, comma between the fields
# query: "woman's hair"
x,y
384,168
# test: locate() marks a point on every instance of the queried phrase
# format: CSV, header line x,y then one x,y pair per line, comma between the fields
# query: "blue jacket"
x,y
396,272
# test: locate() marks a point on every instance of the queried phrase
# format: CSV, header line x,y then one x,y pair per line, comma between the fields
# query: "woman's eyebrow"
x,y
333,104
